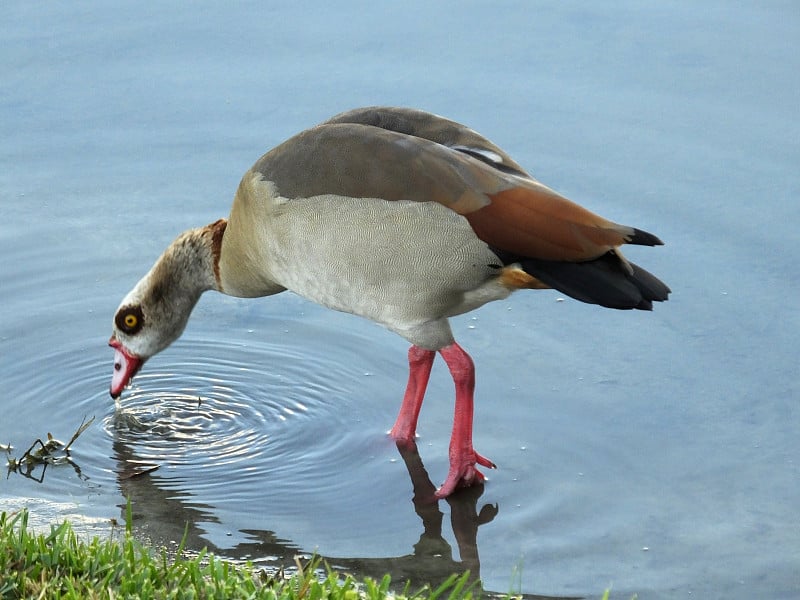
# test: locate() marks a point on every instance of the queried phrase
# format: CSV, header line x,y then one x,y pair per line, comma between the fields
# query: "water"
x,y
657,453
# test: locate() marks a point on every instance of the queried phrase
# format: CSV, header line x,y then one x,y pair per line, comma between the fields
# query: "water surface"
x,y
653,452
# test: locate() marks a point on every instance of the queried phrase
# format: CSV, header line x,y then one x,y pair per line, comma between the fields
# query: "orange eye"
x,y
131,321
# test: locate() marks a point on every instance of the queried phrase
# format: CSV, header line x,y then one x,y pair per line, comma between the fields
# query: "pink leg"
x,y
462,455
420,362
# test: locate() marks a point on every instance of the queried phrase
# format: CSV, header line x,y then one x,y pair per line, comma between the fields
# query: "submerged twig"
x,y
83,427
46,454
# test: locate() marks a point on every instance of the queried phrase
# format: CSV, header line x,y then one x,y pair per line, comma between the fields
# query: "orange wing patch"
x,y
515,278
538,223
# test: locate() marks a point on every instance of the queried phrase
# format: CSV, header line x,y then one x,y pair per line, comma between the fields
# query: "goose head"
x,y
155,312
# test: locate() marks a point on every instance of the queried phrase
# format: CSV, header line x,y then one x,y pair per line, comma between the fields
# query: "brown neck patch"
x,y
217,229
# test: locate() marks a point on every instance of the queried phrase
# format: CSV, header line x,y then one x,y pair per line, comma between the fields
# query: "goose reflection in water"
x,y
163,516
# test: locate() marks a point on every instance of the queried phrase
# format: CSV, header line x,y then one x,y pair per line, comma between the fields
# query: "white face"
x,y
143,323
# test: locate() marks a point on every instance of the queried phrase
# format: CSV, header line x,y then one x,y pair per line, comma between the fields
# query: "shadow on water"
x,y
162,517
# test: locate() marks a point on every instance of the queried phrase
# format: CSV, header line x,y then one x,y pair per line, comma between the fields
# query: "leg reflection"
x,y
464,516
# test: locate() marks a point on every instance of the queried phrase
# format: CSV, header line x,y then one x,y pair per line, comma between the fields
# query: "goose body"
x,y
399,216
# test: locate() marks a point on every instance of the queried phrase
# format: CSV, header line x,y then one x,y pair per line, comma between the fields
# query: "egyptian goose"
x,y
399,216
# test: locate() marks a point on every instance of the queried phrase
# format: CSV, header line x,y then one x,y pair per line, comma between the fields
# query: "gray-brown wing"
x,y
363,161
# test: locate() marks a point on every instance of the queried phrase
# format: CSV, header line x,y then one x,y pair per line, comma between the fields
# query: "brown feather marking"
x,y
536,222
217,229
515,278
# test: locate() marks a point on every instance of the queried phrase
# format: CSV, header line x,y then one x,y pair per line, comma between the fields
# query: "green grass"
x,y
60,565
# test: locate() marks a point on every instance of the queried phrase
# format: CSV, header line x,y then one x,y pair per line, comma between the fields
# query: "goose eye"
x,y
130,319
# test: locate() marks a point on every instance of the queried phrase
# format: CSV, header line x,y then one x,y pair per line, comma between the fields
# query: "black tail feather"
x,y
605,281
643,238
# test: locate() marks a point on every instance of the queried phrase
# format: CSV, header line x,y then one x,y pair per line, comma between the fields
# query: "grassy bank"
x,y
60,565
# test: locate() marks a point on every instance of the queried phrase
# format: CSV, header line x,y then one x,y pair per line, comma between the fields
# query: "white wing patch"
x,y
484,152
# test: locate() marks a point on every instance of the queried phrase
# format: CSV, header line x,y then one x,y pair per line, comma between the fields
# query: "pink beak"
x,y
126,365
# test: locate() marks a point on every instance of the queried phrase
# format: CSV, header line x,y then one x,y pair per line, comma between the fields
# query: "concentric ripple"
x,y
217,418
225,412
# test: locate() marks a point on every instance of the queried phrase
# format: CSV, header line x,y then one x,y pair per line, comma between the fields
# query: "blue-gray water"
x,y
654,452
